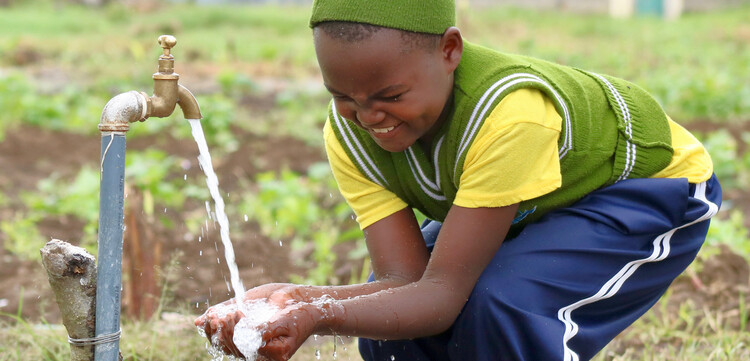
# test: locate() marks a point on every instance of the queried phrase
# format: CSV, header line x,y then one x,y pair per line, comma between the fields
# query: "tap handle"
x,y
167,42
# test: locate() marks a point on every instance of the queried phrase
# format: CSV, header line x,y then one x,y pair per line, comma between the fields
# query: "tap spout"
x,y
188,103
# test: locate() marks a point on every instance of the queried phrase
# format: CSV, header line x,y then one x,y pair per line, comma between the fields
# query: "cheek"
x,y
346,110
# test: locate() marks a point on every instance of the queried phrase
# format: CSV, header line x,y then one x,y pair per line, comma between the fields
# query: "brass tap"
x,y
135,106
167,91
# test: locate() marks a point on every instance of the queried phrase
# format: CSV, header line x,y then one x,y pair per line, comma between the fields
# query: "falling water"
x,y
247,337
213,186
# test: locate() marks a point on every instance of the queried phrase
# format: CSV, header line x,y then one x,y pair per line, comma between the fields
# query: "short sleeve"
x,y
690,159
515,155
369,201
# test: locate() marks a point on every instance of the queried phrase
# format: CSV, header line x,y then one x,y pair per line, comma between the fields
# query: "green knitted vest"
x,y
611,130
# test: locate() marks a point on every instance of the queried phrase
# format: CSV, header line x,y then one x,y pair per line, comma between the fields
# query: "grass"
x,y
692,334
171,338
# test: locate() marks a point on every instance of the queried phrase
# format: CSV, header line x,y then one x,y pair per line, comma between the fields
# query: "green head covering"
x,y
421,16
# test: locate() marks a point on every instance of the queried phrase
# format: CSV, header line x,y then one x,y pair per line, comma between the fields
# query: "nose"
x,y
368,116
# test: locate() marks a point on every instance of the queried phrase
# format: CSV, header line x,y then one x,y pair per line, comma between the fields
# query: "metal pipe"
x,y
115,121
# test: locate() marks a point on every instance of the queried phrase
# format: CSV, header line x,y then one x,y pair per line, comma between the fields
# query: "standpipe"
x,y
117,115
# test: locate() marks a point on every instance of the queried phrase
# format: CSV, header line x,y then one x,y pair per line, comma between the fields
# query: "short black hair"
x,y
353,32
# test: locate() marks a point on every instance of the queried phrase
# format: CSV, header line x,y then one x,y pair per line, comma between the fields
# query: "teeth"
x,y
382,130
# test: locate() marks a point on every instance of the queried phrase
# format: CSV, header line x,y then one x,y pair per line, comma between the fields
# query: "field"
x,y
254,73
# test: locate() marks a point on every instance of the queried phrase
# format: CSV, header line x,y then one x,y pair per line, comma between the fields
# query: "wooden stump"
x,y
72,274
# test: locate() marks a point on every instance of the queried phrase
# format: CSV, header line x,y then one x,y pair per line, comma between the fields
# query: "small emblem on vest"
x,y
522,214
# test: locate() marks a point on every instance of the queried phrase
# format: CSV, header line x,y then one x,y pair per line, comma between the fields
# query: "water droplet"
x,y
317,354
246,218
393,358
185,177
281,244
200,253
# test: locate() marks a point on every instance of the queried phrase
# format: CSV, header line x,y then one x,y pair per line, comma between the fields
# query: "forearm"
x,y
303,293
417,309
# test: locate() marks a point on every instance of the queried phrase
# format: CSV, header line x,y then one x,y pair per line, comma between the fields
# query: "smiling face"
x,y
388,86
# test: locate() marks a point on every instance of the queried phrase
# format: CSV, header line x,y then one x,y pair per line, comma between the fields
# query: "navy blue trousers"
x,y
570,282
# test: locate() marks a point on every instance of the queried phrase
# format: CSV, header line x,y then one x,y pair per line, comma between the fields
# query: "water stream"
x,y
247,338
212,181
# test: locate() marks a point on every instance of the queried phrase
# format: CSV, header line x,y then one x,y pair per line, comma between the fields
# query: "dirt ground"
x,y
198,273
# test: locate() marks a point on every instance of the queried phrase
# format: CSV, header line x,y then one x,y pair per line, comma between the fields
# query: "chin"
x,y
393,147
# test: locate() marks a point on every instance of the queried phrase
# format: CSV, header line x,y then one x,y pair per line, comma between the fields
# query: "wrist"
x,y
329,314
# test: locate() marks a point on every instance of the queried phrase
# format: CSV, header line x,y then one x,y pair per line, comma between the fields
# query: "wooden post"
x,y
673,9
141,257
621,8
72,274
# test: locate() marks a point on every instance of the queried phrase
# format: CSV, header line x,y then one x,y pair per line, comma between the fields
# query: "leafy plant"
x,y
22,238
149,171
303,209
732,168
57,197
731,231
300,113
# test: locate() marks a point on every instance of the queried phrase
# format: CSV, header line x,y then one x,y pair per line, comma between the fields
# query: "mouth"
x,y
382,130
385,132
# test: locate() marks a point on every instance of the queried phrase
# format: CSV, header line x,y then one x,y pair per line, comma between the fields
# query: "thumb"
x,y
277,349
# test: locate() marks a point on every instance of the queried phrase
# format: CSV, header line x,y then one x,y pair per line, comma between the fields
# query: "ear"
x,y
451,48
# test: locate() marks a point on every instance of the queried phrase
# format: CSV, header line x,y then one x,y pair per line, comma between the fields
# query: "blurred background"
x,y
252,67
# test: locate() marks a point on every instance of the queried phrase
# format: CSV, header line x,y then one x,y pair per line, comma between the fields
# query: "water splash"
x,y
212,181
247,337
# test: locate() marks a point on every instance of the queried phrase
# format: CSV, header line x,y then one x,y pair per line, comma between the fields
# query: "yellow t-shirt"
x,y
499,169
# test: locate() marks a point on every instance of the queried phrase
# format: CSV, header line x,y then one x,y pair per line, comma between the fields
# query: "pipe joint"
x,y
122,110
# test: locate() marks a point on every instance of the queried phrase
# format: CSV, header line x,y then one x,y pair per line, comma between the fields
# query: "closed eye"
x,y
341,97
392,98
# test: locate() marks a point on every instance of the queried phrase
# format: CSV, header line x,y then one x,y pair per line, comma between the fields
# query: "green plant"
x,y
22,238
57,197
730,231
17,96
300,113
732,168
303,209
148,171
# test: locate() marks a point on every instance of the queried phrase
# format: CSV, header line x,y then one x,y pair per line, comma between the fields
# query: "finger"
x,y
214,326
278,348
238,315
202,319
229,336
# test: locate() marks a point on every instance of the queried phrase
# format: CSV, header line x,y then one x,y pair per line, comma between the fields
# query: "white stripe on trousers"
x,y
610,288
